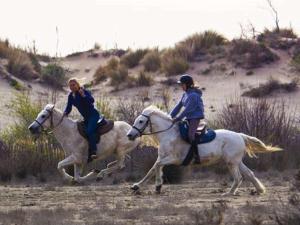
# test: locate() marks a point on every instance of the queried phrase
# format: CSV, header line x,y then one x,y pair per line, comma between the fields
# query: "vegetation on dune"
x,y
54,75
29,158
133,58
271,86
268,121
249,54
152,61
278,39
173,64
199,44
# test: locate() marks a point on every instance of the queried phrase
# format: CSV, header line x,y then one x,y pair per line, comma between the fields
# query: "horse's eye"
x,y
43,116
141,121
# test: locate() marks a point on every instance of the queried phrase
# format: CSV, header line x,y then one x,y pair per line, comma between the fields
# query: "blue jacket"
x,y
85,105
193,105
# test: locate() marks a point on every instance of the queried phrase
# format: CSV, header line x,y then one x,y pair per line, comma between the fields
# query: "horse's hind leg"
x,y
237,179
112,167
248,174
70,160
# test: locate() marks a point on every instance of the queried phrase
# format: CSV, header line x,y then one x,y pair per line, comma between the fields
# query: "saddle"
x,y
203,134
103,127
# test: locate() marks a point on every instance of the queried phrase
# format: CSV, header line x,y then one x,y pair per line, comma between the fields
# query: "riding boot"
x,y
195,152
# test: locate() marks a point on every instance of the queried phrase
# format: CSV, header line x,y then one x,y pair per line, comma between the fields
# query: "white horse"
x,y
76,147
228,146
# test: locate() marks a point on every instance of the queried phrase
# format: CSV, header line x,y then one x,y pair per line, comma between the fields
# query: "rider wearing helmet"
x,y
193,109
84,102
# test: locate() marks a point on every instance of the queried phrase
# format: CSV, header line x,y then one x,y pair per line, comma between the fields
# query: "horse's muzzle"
x,y
34,129
131,136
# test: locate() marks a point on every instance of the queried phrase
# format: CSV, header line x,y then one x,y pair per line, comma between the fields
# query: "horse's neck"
x,y
160,123
63,128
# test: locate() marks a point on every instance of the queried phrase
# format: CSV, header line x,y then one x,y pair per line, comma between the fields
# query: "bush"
x,y
295,62
54,75
151,61
104,72
143,79
132,59
20,65
268,121
249,54
29,157
269,87
200,43
4,49
105,108
118,76
172,64
276,39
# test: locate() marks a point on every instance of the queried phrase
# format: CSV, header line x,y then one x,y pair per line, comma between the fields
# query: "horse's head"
x,y
143,123
43,120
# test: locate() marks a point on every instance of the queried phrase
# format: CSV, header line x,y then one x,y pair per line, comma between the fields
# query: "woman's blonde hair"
x,y
78,81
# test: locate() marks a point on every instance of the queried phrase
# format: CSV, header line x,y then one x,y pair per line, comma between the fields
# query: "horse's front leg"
x,y
70,160
136,186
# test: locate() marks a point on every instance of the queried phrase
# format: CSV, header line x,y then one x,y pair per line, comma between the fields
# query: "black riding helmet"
x,y
186,79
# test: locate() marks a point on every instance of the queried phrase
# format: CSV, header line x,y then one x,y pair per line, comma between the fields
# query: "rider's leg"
x,y
91,133
193,125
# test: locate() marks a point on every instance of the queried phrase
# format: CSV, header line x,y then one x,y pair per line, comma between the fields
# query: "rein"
x,y
141,131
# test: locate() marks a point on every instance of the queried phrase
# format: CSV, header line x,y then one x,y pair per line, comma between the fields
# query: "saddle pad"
x,y
202,138
103,127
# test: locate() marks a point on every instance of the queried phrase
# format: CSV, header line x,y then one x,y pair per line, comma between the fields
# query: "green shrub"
x,y
133,58
105,107
30,157
151,61
295,62
54,75
35,62
15,84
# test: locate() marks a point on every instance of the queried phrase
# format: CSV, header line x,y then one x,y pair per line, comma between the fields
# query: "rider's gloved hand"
x,y
175,120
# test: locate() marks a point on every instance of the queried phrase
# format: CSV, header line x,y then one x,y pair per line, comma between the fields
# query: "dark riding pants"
x,y
193,125
91,126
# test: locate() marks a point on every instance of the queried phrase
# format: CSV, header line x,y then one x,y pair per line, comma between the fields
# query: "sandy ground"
x,y
193,202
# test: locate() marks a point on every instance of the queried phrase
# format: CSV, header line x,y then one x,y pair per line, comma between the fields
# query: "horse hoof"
x,y
226,194
75,182
158,189
98,179
134,187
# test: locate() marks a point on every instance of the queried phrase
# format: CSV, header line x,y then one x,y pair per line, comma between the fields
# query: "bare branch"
x,y
275,14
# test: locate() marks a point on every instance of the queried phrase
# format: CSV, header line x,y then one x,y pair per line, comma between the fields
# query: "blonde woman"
x,y
84,102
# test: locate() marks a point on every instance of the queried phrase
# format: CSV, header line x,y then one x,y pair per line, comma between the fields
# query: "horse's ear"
x,y
50,106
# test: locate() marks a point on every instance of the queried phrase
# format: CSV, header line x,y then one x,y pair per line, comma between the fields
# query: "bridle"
x,y
141,131
52,126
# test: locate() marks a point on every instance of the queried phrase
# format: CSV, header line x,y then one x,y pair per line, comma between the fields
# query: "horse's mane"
x,y
154,109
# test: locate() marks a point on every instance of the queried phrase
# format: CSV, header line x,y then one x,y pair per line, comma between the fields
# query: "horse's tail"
x,y
254,145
